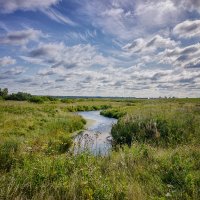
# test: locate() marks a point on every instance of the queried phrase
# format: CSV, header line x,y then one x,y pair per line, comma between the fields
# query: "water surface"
x,y
96,138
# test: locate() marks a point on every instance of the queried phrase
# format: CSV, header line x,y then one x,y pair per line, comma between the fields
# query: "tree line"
x,y
23,96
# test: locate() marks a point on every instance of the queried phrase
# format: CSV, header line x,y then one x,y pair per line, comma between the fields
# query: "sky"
x,y
133,48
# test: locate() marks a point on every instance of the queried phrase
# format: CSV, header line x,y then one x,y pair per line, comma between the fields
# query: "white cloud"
x,y
58,55
112,18
150,45
7,60
185,57
113,12
12,73
130,19
81,36
135,46
58,17
190,5
156,13
9,6
21,37
159,64
187,29
158,42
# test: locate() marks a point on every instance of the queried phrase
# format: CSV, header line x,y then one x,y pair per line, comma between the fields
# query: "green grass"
x,y
156,153
165,122
139,172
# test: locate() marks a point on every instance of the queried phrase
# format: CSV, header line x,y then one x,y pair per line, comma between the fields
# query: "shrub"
x,y
154,130
36,99
113,113
65,142
67,100
20,96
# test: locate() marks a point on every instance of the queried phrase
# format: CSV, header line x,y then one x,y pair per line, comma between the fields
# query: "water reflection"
x,y
96,138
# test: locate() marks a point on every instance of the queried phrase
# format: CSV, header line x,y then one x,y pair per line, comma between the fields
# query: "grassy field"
x,y
155,155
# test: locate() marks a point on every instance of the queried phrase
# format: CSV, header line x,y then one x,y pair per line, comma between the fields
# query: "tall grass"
x,y
139,172
170,129
158,158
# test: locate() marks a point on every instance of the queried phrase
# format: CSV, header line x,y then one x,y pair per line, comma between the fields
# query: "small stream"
x,y
96,138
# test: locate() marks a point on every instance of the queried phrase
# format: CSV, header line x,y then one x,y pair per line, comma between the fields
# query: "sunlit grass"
x,y
35,161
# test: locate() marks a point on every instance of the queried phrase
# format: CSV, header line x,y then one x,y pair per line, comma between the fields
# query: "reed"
x,y
156,155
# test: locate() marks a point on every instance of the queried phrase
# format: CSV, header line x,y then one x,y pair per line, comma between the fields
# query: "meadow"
x,y
155,155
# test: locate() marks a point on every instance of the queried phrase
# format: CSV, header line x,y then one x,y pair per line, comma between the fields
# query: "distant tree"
x,y
23,96
20,96
4,92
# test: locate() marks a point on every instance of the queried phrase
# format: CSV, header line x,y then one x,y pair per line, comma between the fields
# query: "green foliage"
x,y
157,130
36,99
80,108
67,100
20,96
139,172
60,145
161,160
8,154
180,172
50,98
4,92
113,113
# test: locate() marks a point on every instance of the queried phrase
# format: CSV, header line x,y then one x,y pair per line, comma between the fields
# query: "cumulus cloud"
x,y
50,51
25,80
160,42
135,46
157,42
153,63
46,72
187,29
194,64
22,37
156,13
191,5
69,57
9,6
7,60
186,57
15,71
12,73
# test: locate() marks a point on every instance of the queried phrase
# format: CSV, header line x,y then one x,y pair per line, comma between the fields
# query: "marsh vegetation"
x,y
155,150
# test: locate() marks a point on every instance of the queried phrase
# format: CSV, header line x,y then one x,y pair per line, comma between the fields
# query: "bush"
x,y
113,113
154,130
51,98
65,143
20,96
36,99
67,100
